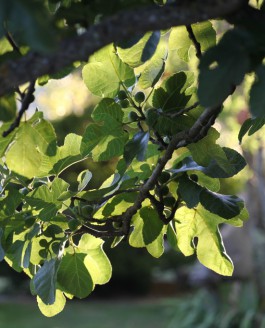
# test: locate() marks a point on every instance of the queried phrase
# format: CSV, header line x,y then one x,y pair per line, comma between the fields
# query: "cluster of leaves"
x,y
158,129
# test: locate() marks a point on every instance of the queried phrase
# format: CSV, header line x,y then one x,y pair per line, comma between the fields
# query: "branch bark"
x,y
118,27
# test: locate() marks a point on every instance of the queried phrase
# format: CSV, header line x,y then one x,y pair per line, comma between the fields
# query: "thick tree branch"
x,y
120,26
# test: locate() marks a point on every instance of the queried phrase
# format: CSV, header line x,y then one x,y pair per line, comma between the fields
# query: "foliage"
x,y
157,126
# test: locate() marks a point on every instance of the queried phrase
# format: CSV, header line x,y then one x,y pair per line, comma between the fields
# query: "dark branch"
x,y
25,102
118,27
194,41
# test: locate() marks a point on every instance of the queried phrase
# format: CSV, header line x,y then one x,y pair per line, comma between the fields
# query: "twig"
x,y
25,102
194,41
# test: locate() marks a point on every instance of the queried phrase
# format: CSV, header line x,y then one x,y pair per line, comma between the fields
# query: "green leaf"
x,y
226,206
73,276
206,149
55,308
150,46
44,281
205,34
213,170
45,199
257,98
96,261
209,249
139,239
154,68
104,141
106,109
104,67
189,191
152,225
7,108
180,42
174,92
220,69
141,51
34,140
245,128
136,147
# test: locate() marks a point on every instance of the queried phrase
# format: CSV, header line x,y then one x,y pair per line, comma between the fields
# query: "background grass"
x,y
89,314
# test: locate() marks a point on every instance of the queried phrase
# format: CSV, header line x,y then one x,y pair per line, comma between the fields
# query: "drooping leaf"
x,y
96,261
55,308
73,276
226,206
213,170
104,67
44,281
191,223
136,147
152,225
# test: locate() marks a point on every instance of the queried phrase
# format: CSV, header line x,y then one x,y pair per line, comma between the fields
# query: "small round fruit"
x,y
87,210
122,95
164,190
133,116
169,201
139,97
124,103
73,224
164,177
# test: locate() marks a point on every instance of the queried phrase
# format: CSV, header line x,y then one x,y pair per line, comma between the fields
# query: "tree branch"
x,y
118,27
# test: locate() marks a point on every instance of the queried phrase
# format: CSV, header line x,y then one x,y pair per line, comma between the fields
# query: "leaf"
x,y
73,276
213,170
106,66
140,51
173,94
226,206
150,46
206,149
33,140
55,308
137,238
7,108
189,191
103,141
245,128
205,34
44,281
220,69
136,147
83,179
154,68
257,98
106,109
96,261
152,225
45,199
180,42
210,250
